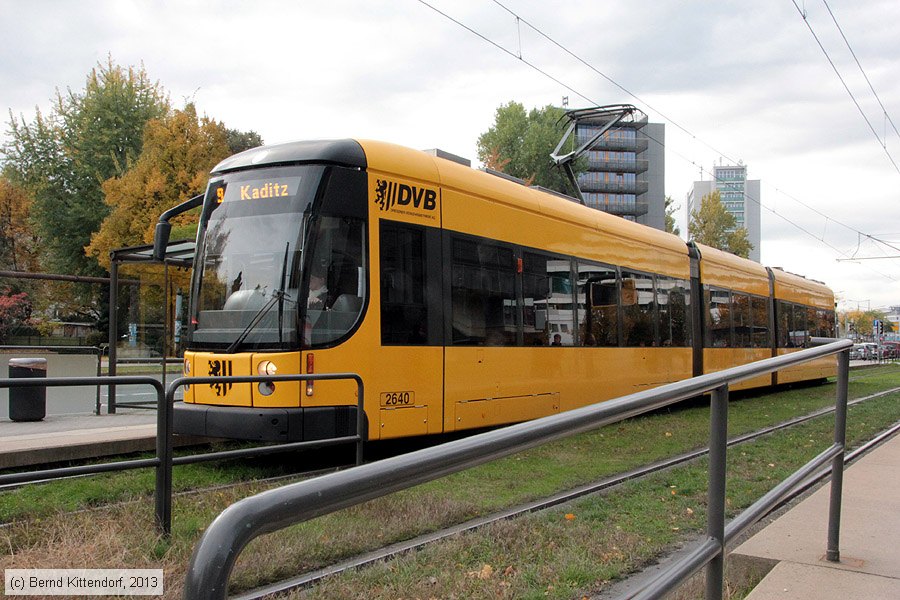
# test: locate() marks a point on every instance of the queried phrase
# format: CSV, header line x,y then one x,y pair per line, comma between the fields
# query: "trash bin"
x,y
27,403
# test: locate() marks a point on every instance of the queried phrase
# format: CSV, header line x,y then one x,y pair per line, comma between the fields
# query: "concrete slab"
x,y
792,581
870,524
70,437
61,438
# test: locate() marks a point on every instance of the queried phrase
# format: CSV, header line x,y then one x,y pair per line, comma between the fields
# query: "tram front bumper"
x,y
265,424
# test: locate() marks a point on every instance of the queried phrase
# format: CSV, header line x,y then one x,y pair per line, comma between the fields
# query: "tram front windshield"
x,y
247,271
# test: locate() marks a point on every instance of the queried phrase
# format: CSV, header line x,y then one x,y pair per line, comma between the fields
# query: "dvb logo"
x,y
390,194
221,368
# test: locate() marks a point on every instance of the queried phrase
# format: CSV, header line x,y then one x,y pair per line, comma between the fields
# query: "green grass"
x,y
607,536
36,501
538,556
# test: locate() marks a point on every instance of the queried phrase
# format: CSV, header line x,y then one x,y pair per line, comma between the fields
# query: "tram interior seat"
x,y
245,300
338,319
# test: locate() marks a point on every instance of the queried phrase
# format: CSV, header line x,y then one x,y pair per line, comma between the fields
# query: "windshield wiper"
x,y
281,296
278,296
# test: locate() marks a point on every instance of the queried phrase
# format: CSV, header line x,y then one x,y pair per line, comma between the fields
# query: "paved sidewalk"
x,y
69,437
869,543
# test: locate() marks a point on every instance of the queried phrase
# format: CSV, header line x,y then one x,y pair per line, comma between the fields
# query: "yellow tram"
x,y
463,299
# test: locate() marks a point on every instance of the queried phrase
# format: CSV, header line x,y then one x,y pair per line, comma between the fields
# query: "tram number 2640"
x,y
398,398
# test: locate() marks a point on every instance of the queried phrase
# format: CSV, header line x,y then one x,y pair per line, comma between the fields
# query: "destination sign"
x,y
259,189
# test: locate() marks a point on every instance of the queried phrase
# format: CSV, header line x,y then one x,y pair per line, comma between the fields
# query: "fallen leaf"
x,y
570,517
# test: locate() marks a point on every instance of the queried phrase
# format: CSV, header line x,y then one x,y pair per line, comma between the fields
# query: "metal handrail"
x,y
46,474
164,460
164,433
162,362
225,538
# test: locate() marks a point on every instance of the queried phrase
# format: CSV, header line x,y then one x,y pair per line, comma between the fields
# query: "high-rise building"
x,y
625,172
741,197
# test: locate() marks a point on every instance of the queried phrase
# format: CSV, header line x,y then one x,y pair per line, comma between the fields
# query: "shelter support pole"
x,y
113,329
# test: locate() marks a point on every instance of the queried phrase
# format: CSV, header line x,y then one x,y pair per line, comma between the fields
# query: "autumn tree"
x,y
15,310
179,150
519,143
18,242
862,322
714,226
61,159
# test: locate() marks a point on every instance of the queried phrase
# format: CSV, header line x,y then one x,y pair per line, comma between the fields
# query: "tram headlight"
x,y
266,388
187,373
266,367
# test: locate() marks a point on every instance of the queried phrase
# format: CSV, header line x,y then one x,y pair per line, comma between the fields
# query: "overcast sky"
x,y
732,80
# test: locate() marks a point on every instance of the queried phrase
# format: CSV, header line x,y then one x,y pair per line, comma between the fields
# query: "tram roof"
x,y
345,152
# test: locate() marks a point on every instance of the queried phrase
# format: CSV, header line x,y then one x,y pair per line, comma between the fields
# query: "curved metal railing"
x,y
221,544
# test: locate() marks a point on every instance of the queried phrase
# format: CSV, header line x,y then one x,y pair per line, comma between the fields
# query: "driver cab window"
x,y
335,280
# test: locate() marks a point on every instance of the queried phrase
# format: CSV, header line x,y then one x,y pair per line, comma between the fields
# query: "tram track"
x,y
608,483
309,579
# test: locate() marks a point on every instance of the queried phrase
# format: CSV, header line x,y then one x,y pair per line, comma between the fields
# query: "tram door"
x,y
409,366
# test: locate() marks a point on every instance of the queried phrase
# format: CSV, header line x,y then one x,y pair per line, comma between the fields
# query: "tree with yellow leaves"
x,y
18,240
178,152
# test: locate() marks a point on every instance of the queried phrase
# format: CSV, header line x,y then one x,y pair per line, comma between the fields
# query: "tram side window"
x,y
800,329
638,309
825,319
812,323
665,298
718,319
483,293
404,311
759,309
598,311
673,301
741,316
547,316
785,321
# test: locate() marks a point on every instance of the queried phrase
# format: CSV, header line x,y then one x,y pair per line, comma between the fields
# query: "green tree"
x,y
63,158
519,144
714,226
238,141
178,152
671,225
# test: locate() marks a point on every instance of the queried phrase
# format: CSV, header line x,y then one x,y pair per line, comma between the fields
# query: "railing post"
x,y
98,408
833,553
715,519
163,499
